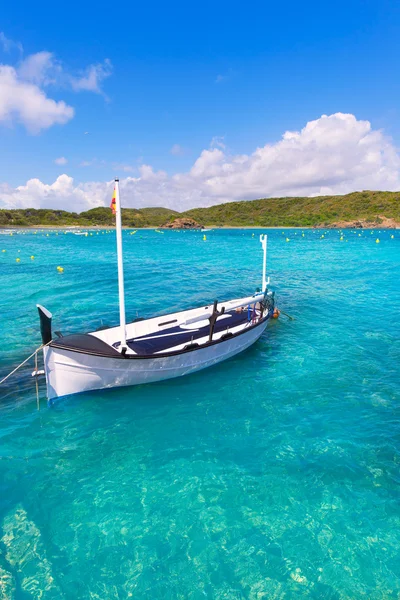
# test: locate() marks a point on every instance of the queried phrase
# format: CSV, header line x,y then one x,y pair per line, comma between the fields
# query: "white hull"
x,y
70,372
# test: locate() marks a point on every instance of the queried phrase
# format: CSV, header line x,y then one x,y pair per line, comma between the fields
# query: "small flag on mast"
x,y
113,204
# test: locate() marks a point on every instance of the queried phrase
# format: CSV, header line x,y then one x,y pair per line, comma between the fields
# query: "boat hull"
x,y
71,372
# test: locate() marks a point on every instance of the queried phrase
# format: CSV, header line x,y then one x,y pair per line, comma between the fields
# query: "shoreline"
x,y
210,227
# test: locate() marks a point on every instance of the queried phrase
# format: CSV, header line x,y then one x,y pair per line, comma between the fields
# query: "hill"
x,y
266,212
301,212
31,217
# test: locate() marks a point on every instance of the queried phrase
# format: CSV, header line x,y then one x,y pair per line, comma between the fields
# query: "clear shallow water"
x,y
273,475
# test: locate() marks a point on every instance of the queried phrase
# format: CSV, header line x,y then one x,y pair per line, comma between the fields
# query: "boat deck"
x,y
181,335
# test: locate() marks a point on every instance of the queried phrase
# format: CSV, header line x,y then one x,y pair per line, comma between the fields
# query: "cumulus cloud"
x,y
44,69
23,88
61,161
27,103
334,154
62,194
90,80
41,69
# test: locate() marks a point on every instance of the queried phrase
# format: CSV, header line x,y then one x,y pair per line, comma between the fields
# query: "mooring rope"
x,y
286,315
25,361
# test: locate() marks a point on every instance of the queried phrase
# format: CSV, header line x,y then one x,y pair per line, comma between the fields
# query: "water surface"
x,y
272,475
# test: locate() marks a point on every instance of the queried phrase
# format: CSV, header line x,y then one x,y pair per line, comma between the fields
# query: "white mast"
x,y
121,291
265,281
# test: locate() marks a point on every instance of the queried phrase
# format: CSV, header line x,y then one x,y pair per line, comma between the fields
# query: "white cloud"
x,y
91,79
26,103
61,161
218,142
177,150
94,162
44,69
40,68
334,154
22,85
125,168
62,194
9,45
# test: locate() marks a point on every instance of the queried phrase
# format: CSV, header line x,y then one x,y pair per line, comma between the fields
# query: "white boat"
x,y
153,349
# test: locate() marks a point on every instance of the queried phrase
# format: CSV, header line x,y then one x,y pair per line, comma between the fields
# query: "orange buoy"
x,y
276,313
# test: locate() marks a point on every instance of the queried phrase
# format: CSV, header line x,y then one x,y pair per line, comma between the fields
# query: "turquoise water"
x,y
272,475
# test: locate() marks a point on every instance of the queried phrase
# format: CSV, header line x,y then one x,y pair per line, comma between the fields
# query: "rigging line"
x,y
25,361
286,315
36,382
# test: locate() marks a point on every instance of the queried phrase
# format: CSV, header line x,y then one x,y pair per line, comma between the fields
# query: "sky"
x,y
196,104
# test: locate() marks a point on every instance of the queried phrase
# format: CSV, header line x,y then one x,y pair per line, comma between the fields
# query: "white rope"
x,y
25,361
36,382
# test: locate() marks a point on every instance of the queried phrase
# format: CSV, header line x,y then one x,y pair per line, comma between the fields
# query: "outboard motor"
x,y
45,323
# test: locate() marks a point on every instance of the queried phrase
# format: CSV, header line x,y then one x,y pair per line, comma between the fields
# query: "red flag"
x,y
113,204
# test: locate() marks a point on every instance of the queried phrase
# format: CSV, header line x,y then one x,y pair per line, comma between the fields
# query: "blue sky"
x,y
182,75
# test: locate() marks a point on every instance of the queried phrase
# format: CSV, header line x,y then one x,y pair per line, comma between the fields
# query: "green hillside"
x,y
301,212
285,212
145,217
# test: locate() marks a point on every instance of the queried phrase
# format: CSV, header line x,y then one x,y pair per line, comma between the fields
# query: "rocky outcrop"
x,y
381,222
182,223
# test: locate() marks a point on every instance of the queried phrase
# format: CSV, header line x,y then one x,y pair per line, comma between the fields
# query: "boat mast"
x,y
121,291
265,282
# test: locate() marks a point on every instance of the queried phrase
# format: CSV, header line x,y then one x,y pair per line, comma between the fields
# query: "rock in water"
x,y
380,222
183,223
26,553
7,585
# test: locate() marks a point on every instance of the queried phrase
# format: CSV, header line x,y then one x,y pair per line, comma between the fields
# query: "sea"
x,y
274,475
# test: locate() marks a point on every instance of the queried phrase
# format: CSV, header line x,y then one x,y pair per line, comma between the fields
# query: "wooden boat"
x,y
153,349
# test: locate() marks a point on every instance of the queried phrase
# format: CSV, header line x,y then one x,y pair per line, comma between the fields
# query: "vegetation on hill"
x,y
267,212
28,217
301,212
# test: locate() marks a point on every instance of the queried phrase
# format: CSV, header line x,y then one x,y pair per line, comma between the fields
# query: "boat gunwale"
x,y
120,356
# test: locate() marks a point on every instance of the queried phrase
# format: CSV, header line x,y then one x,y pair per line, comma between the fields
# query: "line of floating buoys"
x,y
60,269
